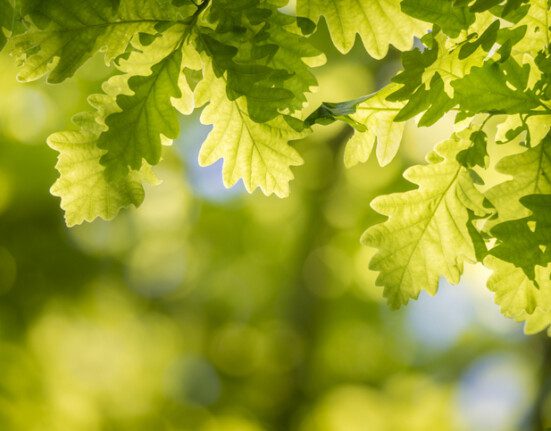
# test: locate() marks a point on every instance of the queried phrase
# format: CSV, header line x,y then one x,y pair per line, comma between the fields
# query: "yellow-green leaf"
x,y
380,23
426,233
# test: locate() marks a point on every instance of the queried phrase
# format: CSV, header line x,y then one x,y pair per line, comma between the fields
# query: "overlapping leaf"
x,y
380,23
134,133
450,17
538,34
526,242
427,77
530,173
498,88
448,63
502,8
518,297
87,188
477,153
259,51
432,75
257,153
378,115
66,33
101,165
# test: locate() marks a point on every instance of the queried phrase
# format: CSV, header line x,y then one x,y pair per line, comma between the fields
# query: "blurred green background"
x,y
212,310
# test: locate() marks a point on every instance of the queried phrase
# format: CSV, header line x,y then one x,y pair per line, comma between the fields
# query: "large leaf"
x,y
426,234
380,23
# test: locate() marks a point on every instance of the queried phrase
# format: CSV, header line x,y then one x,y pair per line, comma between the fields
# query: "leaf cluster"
x,y
485,63
248,66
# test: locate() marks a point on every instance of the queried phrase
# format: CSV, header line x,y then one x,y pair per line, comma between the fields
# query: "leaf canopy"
x,y
248,64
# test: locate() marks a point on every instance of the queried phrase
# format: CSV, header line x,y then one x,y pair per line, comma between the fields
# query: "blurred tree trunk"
x,y
305,307
539,415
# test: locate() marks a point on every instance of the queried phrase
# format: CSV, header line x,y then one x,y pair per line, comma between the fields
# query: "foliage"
x,y
248,64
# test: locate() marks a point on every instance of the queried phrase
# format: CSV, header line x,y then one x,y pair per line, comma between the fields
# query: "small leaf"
x,y
378,115
476,154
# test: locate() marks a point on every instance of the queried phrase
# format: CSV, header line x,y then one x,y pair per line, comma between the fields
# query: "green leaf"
x,y
511,6
450,18
380,23
531,174
67,33
518,297
256,153
426,233
433,100
427,77
543,86
476,154
478,236
263,86
528,131
449,66
526,242
100,165
265,63
373,118
297,56
87,188
538,33
498,88
486,41
414,64
134,133
482,5
329,112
